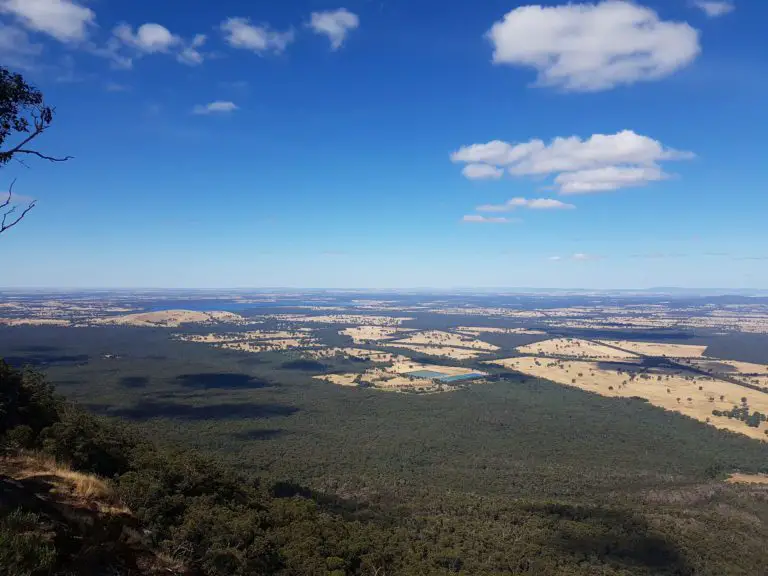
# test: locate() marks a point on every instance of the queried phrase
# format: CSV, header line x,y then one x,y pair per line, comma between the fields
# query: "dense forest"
x,y
83,494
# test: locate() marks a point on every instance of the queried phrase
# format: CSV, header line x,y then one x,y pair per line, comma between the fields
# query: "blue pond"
x,y
431,375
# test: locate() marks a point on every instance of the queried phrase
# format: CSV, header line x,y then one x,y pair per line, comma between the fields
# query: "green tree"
x,y
23,117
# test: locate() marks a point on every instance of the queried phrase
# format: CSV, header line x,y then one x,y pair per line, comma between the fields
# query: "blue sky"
x,y
393,143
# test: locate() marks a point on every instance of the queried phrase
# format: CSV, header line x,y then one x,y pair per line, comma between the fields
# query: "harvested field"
x,y
477,331
362,334
439,338
739,478
687,393
171,319
257,335
441,351
33,322
370,355
659,349
256,346
358,319
755,374
340,379
575,348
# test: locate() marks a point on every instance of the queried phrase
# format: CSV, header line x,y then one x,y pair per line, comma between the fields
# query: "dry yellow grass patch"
x,y
33,322
171,318
659,349
478,330
361,334
371,355
739,478
359,319
575,348
748,372
340,379
440,338
689,394
256,346
441,351
76,488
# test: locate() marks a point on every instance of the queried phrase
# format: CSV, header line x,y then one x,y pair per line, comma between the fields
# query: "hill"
x,y
81,494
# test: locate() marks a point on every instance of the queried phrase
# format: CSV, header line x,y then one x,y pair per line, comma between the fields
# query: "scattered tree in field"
x,y
23,117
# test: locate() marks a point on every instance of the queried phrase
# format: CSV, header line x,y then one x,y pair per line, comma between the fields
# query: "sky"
x,y
392,144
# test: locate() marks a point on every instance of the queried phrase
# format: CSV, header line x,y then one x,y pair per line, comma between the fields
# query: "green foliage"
x,y
25,550
193,512
20,103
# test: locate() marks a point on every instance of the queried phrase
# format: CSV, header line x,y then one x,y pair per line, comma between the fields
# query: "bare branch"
x,y
44,157
4,226
10,195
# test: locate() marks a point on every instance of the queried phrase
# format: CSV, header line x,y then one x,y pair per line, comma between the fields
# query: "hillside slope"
x,y
83,495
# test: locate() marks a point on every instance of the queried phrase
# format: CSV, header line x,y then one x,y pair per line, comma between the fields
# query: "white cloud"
x,y
240,33
335,24
190,54
149,38
65,20
477,218
599,163
152,38
715,9
607,179
590,47
482,172
578,256
16,50
218,107
533,204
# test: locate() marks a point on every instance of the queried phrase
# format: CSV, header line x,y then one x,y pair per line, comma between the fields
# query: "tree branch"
x,y
4,226
43,156
7,213
10,195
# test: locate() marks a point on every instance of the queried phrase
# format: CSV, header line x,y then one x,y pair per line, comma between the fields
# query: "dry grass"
x,y
441,351
358,319
438,338
576,348
658,349
33,322
68,486
478,330
171,318
739,478
687,393
361,334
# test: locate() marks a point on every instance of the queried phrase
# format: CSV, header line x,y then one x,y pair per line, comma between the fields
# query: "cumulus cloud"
x,y
482,172
191,54
335,24
591,47
715,9
149,38
479,219
218,107
533,204
16,49
240,33
599,163
65,20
